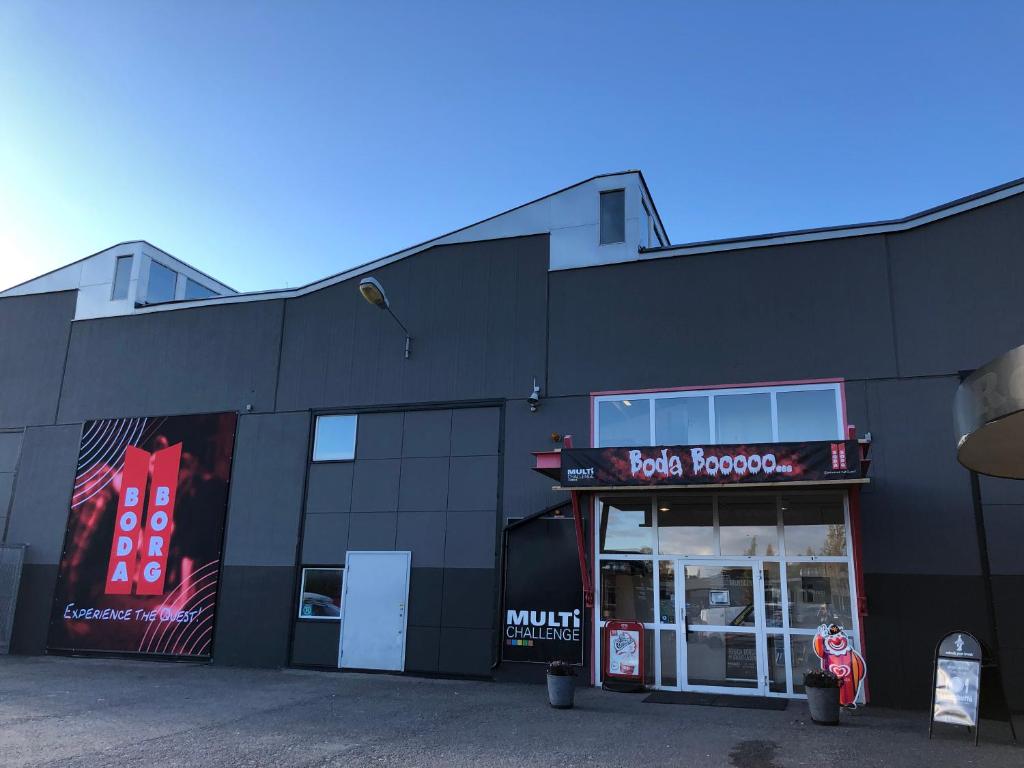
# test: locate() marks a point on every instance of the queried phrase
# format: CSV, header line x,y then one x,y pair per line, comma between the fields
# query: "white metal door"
x,y
373,610
722,628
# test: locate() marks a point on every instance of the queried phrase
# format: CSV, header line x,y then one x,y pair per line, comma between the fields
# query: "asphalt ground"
x,y
104,712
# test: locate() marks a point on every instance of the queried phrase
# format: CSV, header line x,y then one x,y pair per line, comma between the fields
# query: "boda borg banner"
x,y
711,464
141,559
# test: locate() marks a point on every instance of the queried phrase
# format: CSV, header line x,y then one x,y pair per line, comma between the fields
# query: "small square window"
x,y
335,438
321,594
122,278
162,283
613,217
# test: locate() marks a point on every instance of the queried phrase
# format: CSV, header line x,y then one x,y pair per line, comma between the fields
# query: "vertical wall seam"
x,y
892,305
63,370
280,353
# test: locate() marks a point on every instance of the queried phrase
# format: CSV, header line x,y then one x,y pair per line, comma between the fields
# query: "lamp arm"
x,y
400,323
408,336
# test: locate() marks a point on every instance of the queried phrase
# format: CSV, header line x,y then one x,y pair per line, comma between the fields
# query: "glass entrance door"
x,y
722,627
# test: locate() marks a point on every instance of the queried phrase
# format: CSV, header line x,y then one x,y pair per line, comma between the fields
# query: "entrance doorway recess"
x,y
731,586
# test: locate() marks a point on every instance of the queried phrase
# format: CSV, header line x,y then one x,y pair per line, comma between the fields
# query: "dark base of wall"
x,y
908,615
451,614
519,672
32,615
254,616
446,651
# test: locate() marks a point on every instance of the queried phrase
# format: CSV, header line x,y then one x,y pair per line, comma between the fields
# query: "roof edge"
x,y
110,248
910,221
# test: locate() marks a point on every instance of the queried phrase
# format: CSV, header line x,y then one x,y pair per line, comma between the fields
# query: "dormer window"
x,y
162,283
122,278
613,216
194,290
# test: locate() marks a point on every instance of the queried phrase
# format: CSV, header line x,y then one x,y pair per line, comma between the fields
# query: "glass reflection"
x,y
669,676
667,591
624,422
743,418
627,590
681,421
819,593
722,658
809,414
686,525
772,594
777,663
720,595
748,526
627,527
814,525
804,659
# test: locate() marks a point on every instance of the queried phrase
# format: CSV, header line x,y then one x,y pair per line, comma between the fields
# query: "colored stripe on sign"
x,y
124,547
159,521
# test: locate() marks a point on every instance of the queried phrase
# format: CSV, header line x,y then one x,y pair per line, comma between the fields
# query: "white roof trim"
x,y
856,230
448,238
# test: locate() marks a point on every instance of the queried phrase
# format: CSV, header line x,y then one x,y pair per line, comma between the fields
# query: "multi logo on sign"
x,y
526,627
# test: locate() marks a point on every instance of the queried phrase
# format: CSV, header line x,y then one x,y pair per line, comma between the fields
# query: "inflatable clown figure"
x,y
833,647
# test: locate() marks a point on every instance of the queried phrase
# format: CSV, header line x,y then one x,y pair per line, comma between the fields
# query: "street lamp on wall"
x,y
373,292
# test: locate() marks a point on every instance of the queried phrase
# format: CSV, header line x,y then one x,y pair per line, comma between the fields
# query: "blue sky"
x,y
270,144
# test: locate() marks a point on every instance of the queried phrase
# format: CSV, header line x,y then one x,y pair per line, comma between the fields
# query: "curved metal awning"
x,y
989,414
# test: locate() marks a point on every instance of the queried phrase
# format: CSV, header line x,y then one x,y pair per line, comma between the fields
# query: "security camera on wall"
x,y
534,398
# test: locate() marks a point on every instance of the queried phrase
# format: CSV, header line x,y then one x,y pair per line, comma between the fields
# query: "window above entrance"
x,y
727,415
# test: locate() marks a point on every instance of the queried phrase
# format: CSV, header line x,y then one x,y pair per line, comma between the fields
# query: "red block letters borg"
x,y
132,551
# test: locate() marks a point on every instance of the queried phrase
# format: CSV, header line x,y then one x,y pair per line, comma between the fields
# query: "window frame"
x,y
128,280
836,385
302,589
600,216
316,426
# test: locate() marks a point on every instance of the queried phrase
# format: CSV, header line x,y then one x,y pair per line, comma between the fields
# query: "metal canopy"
x,y
989,414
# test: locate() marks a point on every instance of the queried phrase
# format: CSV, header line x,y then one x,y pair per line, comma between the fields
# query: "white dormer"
x,y
123,278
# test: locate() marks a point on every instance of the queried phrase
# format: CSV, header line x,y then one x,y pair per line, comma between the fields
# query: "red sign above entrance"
x,y
819,461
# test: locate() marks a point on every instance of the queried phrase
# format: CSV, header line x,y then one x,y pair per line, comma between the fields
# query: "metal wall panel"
x,y
526,491
917,517
219,358
807,310
33,340
956,289
476,312
42,496
265,503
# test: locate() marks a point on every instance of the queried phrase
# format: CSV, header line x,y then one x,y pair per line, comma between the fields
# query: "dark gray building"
x,y
343,447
